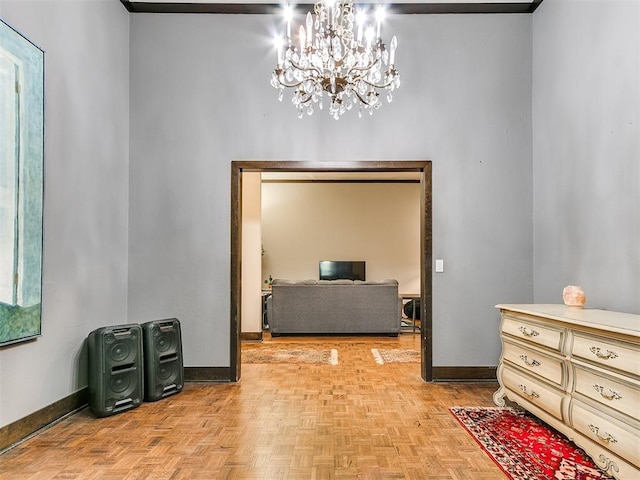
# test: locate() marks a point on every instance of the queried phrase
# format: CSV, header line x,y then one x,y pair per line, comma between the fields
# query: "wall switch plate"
x,y
439,266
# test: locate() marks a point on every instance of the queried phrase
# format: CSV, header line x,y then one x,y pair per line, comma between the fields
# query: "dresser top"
x,y
625,323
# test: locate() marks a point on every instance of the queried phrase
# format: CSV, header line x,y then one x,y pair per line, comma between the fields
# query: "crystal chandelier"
x,y
331,60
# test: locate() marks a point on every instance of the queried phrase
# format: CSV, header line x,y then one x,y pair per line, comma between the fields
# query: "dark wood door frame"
x,y
424,167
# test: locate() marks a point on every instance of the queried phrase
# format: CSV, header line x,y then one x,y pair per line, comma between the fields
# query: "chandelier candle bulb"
x,y
278,43
288,16
369,37
360,19
379,17
392,51
302,39
309,26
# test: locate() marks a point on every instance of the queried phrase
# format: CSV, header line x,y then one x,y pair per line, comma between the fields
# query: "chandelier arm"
x,y
289,85
376,85
362,78
367,67
363,100
362,69
307,100
302,69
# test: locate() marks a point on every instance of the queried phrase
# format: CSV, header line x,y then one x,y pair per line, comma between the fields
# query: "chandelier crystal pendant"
x,y
330,60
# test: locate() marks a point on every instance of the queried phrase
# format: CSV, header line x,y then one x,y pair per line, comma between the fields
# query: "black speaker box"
x,y
163,365
115,369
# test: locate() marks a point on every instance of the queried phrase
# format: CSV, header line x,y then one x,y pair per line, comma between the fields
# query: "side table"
x,y
411,296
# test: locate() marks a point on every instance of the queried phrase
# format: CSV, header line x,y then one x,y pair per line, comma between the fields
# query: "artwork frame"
x,y
21,186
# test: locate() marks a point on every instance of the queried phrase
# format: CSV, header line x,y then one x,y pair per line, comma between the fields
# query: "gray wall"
x,y
586,111
86,48
200,98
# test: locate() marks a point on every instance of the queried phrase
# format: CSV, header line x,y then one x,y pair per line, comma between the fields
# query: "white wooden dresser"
x,y
578,370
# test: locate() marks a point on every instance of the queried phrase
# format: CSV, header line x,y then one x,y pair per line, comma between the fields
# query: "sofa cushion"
x,y
377,282
282,281
335,282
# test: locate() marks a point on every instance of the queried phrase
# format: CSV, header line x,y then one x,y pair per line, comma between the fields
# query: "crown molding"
x,y
270,8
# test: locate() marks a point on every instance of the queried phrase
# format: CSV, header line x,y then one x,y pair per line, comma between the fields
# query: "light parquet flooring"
x,y
356,420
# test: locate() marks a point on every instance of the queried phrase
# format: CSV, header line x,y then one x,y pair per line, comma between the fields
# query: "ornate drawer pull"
x,y
612,395
528,333
532,363
605,356
607,437
532,394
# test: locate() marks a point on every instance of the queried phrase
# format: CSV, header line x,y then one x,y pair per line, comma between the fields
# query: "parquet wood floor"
x,y
356,420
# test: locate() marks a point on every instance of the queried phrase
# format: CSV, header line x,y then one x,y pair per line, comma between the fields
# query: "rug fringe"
x,y
377,356
334,357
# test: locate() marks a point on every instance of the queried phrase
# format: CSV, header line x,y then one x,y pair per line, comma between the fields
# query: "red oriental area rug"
x,y
524,447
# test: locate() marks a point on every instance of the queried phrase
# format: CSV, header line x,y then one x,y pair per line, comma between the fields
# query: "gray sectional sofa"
x,y
334,307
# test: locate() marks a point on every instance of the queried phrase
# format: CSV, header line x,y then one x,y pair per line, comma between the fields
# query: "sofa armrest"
x,y
269,308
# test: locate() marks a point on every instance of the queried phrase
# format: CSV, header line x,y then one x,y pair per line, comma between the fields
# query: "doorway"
x,y
421,167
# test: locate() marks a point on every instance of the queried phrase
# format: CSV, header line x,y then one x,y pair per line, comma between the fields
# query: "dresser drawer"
x,y
606,352
533,332
617,394
621,439
538,393
533,361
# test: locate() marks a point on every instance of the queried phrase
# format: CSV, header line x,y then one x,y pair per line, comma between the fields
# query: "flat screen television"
x,y
341,270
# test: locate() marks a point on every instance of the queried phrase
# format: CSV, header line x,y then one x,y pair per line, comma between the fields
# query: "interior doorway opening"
x,y
423,168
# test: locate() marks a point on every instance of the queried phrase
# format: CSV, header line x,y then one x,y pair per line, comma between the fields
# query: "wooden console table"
x,y
579,371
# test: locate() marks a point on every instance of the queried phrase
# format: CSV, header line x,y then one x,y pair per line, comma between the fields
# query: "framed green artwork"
x,y
21,186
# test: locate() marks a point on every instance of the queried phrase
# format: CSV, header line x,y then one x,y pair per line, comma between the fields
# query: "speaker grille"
x,y
115,369
163,364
